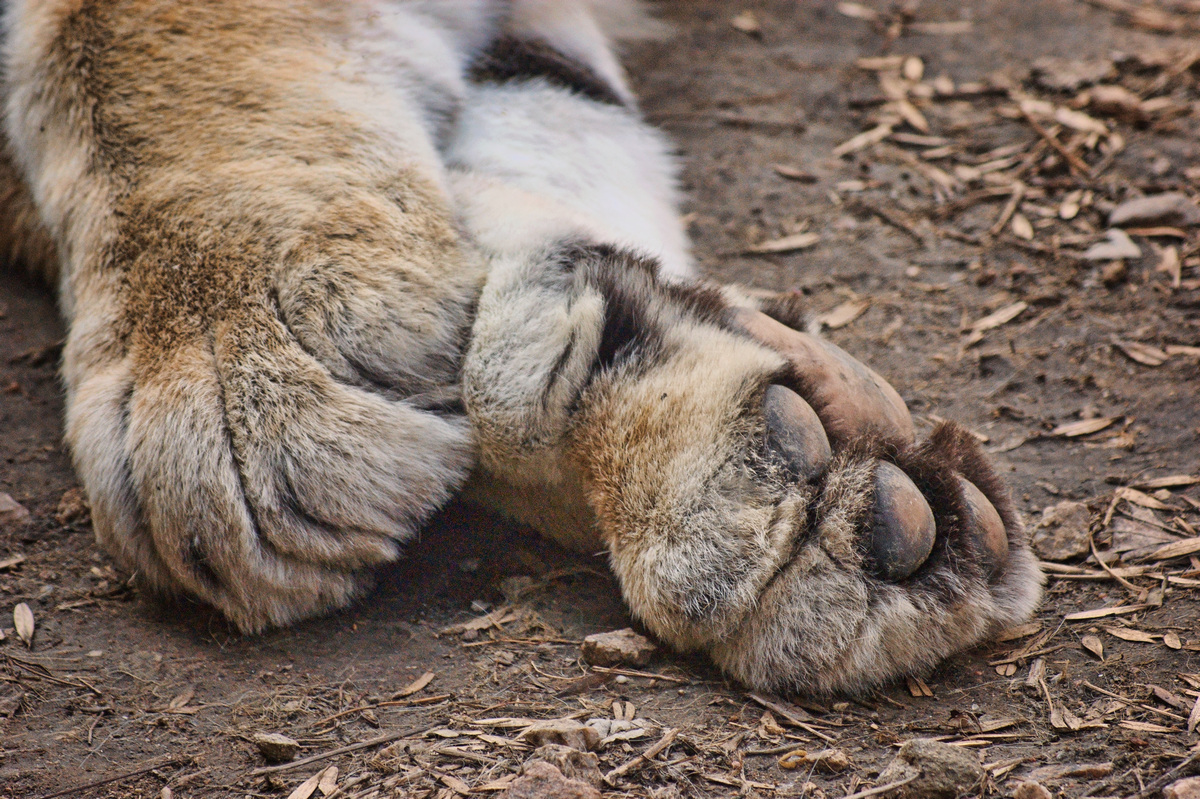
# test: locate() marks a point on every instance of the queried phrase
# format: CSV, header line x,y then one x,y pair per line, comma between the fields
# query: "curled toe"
x,y
904,530
795,432
986,529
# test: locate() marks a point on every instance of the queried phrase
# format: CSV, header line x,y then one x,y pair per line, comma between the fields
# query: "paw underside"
x,y
761,494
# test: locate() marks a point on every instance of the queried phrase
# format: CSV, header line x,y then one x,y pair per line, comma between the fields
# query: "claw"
x,y
850,399
986,528
904,530
795,432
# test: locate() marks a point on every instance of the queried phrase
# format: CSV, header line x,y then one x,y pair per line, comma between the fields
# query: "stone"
x,y
1188,788
1031,790
12,513
1170,208
540,780
618,648
276,748
574,764
564,732
941,771
1062,532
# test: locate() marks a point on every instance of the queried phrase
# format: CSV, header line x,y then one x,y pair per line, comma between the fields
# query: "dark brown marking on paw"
x,y
512,59
985,529
794,431
902,536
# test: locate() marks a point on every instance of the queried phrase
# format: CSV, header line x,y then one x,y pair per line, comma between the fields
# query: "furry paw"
x,y
760,492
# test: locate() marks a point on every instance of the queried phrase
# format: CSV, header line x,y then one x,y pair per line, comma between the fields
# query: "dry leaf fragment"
x,y
1143,353
1077,120
1000,317
1169,262
1100,613
1139,498
844,314
1093,644
1083,427
1172,641
1114,101
23,620
415,685
857,11
1129,634
746,22
1117,246
792,173
1021,227
1169,208
799,241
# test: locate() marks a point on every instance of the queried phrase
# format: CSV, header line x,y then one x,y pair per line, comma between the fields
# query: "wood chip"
x,y
844,314
306,788
1093,644
1022,228
1177,549
1144,726
746,22
1083,427
918,688
1143,353
1194,716
8,563
1171,481
415,685
865,139
1000,317
799,241
23,620
1172,641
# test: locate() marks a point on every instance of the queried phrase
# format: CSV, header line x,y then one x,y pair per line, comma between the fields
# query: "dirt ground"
x,y
952,259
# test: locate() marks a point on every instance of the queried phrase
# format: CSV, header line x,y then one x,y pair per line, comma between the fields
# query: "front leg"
x,y
765,504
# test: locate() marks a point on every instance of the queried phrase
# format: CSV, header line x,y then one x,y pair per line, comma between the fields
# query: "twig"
x,y
644,757
891,786
1010,208
1095,554
1076,163
304,761
124,776
791,717
649,675
1163,780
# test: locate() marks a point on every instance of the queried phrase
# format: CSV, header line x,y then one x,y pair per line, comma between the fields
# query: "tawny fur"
x,y
257,215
